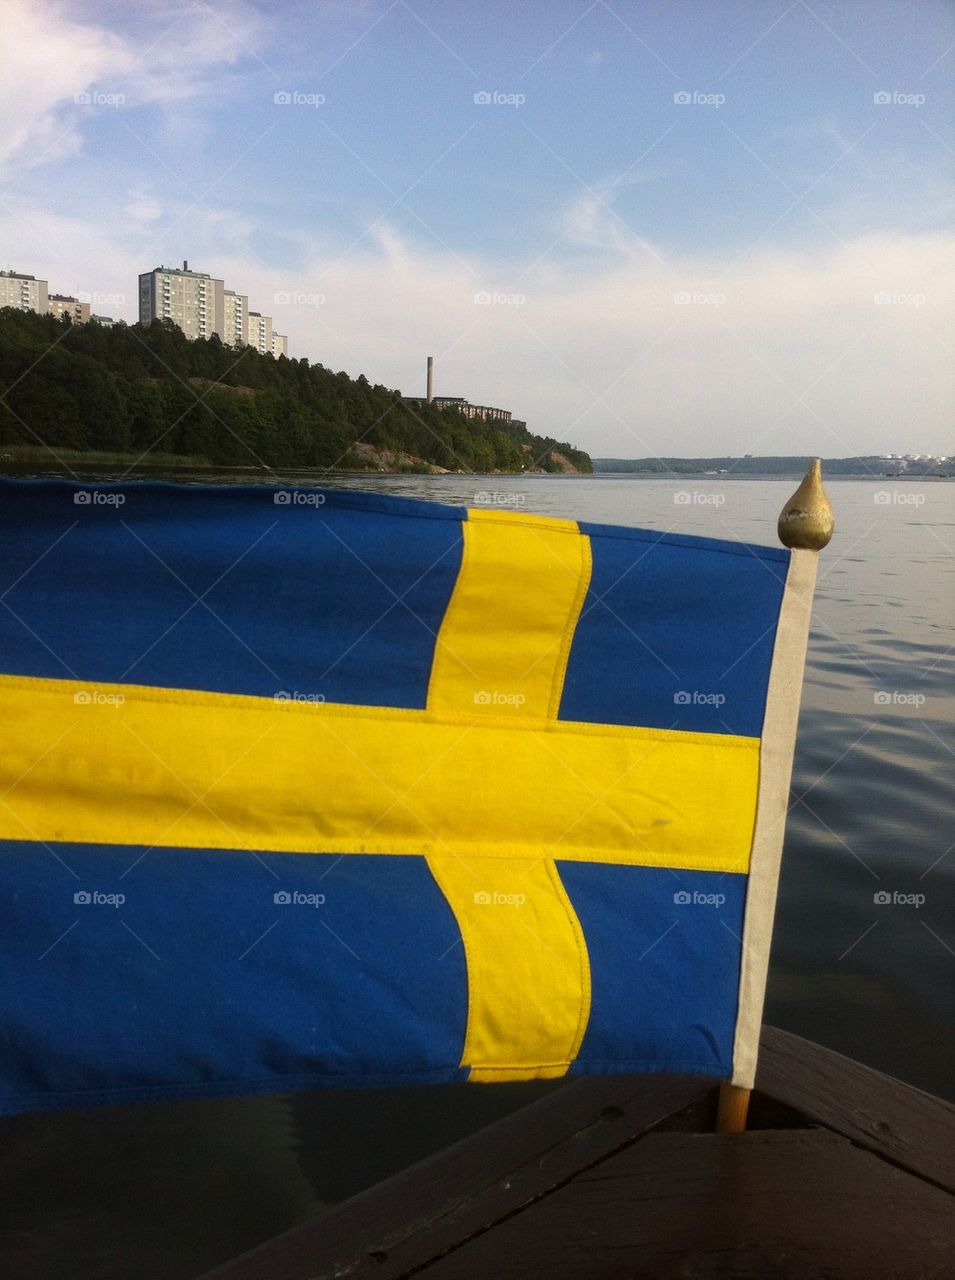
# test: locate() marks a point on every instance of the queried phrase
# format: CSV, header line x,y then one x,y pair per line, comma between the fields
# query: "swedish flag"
x,y
310,786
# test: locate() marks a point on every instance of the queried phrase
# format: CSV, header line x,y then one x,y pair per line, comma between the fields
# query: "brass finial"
x,y
807,520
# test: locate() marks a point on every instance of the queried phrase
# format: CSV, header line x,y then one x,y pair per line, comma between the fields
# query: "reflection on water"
x,y
166,1191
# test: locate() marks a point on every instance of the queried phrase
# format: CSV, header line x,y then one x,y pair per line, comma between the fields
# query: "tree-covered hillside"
x,y
139,388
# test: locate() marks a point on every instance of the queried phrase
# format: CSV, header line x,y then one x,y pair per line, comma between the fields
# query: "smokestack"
x,y
430,377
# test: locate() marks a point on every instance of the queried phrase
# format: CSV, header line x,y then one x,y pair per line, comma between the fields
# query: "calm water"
x,y
164,1192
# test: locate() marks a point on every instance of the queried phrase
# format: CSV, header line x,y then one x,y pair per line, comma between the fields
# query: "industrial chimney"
x,y
430,377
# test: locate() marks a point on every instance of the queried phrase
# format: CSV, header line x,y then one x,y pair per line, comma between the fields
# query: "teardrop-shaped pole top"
x,y
806,521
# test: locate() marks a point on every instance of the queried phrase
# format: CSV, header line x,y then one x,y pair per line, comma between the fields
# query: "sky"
x,y
665,227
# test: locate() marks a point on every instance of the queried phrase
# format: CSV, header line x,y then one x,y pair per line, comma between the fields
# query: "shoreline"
x,y
65,461
32,460
135,470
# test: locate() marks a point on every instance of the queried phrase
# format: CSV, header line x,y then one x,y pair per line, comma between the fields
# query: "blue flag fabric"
x,y
311,786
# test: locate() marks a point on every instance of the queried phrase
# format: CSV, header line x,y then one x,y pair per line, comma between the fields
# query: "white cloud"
x,y
47,61
51,67
143,209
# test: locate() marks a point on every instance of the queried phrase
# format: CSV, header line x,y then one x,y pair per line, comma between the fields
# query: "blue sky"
x,y
760,268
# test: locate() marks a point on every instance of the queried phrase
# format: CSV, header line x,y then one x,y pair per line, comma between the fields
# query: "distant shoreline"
x,y
859,467
28,461
795,474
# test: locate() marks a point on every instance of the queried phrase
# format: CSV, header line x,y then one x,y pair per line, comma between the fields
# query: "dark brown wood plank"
x,y
764,1204
430,1210
462,1191
899,1123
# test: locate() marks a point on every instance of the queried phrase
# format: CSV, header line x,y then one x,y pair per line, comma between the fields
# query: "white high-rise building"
x,y
191,299
260,332
235,331
201,306
26,293
61,304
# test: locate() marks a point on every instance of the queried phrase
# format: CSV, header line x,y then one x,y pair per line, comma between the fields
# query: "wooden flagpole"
x,y
806,522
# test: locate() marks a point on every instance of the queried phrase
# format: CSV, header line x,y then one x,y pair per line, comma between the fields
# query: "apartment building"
x,y
201,305
24,292
235,331
191,299
62,304
260,332
485,412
